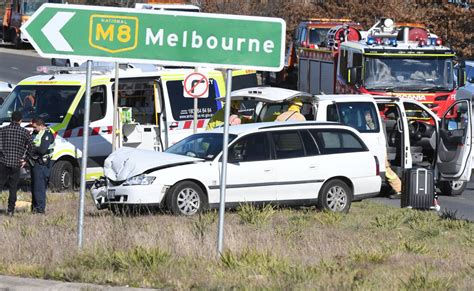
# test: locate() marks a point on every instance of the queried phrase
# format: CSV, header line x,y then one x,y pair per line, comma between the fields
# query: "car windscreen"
x,y
318,36
50,103
409,74
3,96
203,145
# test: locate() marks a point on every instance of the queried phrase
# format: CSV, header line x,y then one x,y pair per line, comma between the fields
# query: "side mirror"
x,y
461,76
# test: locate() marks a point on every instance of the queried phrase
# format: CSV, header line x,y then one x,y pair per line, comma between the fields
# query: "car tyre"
x,y
186,198
61,177
452,188
335,196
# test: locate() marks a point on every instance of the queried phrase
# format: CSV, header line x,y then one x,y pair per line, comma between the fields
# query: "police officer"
x,y
40,161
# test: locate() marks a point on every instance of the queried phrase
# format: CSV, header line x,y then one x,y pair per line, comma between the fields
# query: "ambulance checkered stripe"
x,y
188,124
78,132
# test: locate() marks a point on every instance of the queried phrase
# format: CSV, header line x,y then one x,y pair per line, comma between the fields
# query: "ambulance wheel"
x,y
335,196
61,177
452,188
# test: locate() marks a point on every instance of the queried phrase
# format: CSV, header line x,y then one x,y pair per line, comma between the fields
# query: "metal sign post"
x,y
195,111
116,95
223,179
85,144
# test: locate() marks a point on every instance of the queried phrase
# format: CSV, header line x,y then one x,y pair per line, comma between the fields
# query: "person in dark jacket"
x,y
40,161
15,146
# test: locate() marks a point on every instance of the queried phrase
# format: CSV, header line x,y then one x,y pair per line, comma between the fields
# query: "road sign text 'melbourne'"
x,y
166,37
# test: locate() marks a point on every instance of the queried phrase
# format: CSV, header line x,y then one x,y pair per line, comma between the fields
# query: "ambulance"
x,y
153,111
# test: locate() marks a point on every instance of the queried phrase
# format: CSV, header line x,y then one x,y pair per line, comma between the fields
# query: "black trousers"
x,y
12,176
39,179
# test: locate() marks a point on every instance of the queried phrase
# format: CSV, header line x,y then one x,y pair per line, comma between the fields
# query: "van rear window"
x,y
182,108
360,115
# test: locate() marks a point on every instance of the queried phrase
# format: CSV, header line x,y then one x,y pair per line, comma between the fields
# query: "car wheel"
x,y
186,198
452,188
61,177
335,196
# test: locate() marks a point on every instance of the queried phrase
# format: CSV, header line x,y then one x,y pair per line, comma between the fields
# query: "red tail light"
x,y
377,166
311,45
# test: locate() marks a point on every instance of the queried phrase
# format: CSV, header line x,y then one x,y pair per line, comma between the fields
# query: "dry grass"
x,y
373,247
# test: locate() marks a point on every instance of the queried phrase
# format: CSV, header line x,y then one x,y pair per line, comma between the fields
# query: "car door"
x,y
297,165
455,142
251,170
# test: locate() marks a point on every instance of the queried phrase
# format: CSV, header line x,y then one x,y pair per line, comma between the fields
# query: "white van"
x,y
5,89
156,114
405,131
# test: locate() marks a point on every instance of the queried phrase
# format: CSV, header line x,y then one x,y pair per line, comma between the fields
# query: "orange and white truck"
x,y
16,13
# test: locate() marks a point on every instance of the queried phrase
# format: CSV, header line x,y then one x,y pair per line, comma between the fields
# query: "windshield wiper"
x,y
434,88
383,88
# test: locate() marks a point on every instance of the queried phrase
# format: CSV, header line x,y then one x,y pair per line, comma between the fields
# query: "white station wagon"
x,y
323,164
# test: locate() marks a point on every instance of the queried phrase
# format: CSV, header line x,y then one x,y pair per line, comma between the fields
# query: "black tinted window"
x,y
362,116
182,108
288,144
332,141
254,147
309,143
98,108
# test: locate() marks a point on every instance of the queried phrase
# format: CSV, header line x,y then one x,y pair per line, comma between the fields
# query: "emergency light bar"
x,y
58,70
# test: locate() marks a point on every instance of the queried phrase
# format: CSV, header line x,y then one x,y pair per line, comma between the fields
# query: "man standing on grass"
x,y
15,145
41,154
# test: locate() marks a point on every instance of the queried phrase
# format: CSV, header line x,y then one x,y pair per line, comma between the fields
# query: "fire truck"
x,y
18,12
310,33
391,59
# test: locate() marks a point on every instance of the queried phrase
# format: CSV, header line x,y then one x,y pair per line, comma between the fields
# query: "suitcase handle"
x,y
426,179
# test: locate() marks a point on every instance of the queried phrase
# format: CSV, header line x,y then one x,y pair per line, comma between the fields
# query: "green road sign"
x,y
164,37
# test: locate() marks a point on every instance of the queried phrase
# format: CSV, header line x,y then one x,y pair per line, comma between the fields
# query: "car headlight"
x,y
139,180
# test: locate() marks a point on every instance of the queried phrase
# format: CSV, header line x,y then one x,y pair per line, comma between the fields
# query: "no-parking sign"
x,y
196,85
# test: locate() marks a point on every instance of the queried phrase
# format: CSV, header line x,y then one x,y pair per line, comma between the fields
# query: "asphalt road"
x,y
462,206
15,65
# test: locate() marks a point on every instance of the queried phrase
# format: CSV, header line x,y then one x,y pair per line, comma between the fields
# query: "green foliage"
x,y
414,247
390,221
329,218
363,256
133,259
421,280
61,219
202,224
250,214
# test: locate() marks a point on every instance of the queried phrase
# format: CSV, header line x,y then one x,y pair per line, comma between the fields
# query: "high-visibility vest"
x,y
37,142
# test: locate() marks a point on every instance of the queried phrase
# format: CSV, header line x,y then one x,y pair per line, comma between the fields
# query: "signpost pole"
x,y
223,179
116,95
195,109
85,144
195,114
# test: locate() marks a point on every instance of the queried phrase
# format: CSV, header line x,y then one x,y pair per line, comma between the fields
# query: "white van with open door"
x,y
405,131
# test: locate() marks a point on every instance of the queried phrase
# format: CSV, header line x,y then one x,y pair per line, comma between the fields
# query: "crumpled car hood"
x,y
129,162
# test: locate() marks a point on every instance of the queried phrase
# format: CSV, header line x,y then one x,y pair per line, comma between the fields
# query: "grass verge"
x,y
373,247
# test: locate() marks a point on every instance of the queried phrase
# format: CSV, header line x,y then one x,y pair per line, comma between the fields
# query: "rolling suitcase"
x,y
419,189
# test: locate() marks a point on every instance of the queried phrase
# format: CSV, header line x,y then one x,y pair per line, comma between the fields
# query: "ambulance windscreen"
x,y
51,103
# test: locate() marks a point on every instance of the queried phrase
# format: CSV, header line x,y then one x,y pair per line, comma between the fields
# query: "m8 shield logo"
x,y
112,33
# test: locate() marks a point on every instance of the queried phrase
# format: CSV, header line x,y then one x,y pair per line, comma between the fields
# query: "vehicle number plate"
x,y
111,194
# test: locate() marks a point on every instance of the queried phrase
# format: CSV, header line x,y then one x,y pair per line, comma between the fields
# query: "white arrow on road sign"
x,y
52,31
